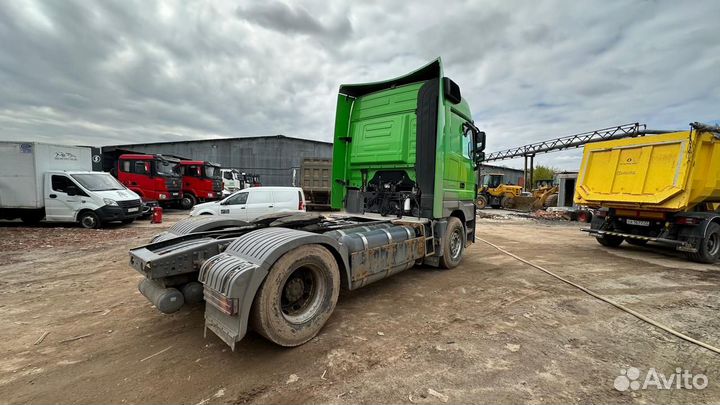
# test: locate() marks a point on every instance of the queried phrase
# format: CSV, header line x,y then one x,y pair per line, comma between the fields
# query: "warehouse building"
x,y
511,176
276,159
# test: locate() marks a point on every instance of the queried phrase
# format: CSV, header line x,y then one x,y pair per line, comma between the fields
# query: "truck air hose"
x,y
609,301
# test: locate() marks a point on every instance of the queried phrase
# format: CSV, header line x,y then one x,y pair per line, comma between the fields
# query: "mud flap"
x,y
231,279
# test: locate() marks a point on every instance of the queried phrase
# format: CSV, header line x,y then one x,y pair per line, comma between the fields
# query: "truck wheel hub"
x,y
455,244
302,294
294,289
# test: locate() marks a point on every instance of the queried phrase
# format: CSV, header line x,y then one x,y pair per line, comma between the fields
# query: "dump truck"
x,y
661,188
315,182
404,159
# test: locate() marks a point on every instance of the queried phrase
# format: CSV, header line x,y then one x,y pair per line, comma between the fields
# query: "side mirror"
x,y
71,191
480,139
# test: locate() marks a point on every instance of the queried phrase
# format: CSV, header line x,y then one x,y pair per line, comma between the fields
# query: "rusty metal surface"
x,y
377,263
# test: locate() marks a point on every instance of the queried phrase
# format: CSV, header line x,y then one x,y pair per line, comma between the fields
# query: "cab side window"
x,y
125,166
239,199
467,141
140,167
61,183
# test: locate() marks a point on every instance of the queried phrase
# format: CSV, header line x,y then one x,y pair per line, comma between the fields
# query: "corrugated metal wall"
x,y
275,158
511,176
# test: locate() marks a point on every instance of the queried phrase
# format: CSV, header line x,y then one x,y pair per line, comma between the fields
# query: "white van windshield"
x,y
98,181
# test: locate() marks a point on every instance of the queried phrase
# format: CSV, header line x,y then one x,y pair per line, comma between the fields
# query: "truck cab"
x,y
150,176
407,146
249,180
201,181
230,180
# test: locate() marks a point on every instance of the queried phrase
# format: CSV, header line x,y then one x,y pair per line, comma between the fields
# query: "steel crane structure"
x,y
567,142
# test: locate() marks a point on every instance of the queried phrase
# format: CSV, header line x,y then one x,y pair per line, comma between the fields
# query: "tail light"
x,y
687,221
228,306
301,202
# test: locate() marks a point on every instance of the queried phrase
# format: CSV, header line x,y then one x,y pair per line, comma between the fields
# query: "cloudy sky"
x,y
109,72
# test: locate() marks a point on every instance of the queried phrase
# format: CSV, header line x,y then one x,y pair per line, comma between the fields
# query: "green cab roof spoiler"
x,y
432,70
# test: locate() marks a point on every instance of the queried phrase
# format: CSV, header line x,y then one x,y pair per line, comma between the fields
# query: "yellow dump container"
x,y
668,172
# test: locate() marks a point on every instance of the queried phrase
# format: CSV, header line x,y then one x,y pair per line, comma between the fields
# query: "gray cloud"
x,y
127,71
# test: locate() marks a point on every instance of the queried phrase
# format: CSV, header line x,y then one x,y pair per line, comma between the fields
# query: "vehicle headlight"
x,y
163,196
111,202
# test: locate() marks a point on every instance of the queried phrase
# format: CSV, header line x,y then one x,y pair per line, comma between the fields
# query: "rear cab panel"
x,y
403,135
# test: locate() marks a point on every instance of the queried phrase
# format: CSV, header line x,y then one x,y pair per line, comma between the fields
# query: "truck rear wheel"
x,y
610,240
89,220
297,296
453,244
709,249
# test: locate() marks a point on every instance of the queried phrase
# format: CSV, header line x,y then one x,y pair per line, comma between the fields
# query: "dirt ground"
x,y
493,330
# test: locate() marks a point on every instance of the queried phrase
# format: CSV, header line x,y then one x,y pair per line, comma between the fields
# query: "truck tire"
x,y
709,249
188,201
482,202
297,296
610,240
453,244
89,220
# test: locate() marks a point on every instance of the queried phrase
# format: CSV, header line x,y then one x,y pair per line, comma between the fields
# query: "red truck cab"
x,y
201,181
152,177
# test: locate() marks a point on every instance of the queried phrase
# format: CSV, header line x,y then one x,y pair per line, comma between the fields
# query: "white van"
x,y
55,182
253,202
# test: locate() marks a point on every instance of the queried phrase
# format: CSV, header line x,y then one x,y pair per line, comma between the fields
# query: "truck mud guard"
x,y
232,278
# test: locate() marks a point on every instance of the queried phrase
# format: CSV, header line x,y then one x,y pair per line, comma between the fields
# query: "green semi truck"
x,y
404,160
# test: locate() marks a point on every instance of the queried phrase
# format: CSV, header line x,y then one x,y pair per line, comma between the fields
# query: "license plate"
x,y
133,209
638,223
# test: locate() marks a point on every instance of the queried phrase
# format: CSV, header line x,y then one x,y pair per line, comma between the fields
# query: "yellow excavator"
x,y
495,193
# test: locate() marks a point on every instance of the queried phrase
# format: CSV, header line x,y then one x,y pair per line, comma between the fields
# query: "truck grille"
x,y
129,203
172,184
217,186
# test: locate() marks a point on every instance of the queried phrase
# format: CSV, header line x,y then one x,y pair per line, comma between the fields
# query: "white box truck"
x,y
56,183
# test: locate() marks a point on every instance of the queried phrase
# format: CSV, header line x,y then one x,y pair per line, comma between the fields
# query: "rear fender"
x,y
239,272
697,231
